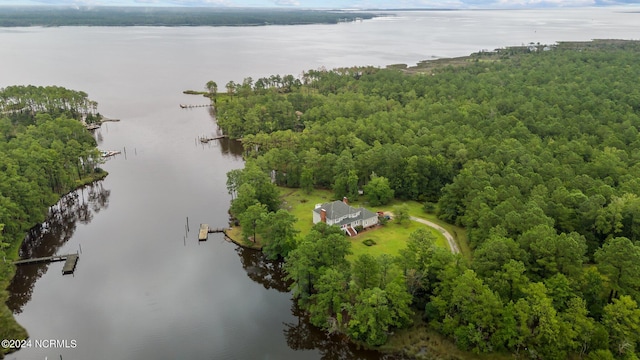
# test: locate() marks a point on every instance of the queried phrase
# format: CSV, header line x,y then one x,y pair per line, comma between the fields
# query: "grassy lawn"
x,y
235,235
300,204
415,209
389,238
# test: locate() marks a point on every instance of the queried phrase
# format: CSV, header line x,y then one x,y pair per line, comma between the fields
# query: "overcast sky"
x,y
334,4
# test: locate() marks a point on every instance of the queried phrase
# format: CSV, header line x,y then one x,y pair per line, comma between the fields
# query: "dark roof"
x,y
338,209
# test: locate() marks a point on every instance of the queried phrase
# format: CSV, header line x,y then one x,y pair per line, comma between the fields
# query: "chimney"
x,y
323,215
345,200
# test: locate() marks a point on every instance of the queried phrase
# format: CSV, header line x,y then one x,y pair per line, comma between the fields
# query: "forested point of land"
x,y
174,16
533,149
45,152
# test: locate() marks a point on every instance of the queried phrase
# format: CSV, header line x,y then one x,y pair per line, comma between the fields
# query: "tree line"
x,y
171,16
45,152
23,102
535,153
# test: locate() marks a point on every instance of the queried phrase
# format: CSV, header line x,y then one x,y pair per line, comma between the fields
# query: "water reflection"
x,y
231,148
269,273
99,137
212,112
45,239
228,147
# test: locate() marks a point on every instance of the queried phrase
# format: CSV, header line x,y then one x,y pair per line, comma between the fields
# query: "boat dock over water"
x,y
69,266
185,106
205,140
107,153
205,230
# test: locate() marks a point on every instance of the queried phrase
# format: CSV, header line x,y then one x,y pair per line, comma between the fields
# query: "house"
x,y
341,214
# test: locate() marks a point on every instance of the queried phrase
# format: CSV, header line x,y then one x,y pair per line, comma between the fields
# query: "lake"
x,y
144,287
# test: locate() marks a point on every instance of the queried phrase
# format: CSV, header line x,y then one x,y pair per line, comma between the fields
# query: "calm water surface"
x,y
144,287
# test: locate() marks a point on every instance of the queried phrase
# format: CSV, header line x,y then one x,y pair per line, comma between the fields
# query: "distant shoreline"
x,y
15,16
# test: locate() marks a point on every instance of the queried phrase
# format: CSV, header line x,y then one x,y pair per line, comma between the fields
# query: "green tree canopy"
x,y
278,233
619,260
377,191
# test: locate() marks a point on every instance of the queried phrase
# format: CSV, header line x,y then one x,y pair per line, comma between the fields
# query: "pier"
x,y
69,266
205,230
184,106
108,153
205,140
97,125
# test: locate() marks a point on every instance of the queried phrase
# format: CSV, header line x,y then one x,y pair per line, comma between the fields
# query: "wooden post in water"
x,y
187,223
80,246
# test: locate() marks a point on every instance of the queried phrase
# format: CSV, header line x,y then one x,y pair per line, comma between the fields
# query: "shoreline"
x,y
234,235
15,330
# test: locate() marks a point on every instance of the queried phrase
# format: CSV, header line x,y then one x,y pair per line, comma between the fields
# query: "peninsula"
x,y
532,149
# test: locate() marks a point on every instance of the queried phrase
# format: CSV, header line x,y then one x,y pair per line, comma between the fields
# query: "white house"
x,y
341,214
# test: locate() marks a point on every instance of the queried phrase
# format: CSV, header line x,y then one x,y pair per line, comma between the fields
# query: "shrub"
x,y
429,207
368,242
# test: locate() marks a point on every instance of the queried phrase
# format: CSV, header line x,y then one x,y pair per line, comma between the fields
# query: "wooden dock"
x,y
95,126
205,140
41,260
205,230
108,153
184,106
69,266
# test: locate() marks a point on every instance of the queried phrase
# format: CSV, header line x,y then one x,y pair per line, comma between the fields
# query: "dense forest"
x,y
173,16
45,152
534,150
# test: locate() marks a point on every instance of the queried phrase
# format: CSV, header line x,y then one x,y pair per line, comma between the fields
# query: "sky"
x,y
334,4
